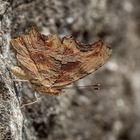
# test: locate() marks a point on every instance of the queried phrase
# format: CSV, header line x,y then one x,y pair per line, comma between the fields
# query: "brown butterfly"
x,y
50,63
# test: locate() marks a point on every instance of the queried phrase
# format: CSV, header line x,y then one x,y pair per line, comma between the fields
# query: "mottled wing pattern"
x,y
50,63
33,52
80,60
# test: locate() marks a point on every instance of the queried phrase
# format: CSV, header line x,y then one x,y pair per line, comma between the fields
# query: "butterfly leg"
x,y
19,80
33,102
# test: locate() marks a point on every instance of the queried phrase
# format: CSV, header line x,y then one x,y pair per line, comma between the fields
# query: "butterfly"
x,y
50,63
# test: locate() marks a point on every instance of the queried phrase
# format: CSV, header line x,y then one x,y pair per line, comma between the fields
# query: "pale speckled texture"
x,y
111,113
11,119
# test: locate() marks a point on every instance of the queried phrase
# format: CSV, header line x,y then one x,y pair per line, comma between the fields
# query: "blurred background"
x,y
111,113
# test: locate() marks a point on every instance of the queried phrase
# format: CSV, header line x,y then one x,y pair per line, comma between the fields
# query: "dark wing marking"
x,y
82,63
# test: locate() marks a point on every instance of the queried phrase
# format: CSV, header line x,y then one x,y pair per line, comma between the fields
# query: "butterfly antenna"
x,y
95,86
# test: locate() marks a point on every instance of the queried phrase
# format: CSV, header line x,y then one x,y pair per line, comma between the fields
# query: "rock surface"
x,y
112,113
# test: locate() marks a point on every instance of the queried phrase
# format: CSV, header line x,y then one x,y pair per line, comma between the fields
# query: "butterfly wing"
x,y
51,63
32,52
80,60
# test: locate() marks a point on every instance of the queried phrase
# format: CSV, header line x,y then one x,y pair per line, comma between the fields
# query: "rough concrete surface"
x,y
111,113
